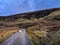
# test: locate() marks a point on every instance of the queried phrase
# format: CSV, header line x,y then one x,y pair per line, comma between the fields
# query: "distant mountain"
x,y
28,15
20,19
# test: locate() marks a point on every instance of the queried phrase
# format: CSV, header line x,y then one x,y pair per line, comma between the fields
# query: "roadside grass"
x,y
44,35
4,34
32,42
36,35
41,33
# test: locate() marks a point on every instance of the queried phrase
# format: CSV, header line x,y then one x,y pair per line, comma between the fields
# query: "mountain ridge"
x,y
24,19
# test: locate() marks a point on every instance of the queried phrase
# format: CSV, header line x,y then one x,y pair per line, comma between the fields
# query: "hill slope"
x,y
47,30
18,19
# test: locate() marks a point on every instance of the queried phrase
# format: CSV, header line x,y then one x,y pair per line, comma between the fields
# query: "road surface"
x,y
19,38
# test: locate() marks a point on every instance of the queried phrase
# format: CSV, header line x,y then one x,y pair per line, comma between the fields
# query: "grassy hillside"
x,y
6,33
53,16
43,27
17,19
47,30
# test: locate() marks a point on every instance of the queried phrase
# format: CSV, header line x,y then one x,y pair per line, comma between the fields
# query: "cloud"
x,y
8,7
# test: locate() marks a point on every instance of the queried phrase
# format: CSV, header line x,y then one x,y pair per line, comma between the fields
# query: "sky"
x,y
10,7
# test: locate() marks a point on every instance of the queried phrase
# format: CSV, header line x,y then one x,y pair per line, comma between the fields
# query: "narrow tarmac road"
x,y
19,38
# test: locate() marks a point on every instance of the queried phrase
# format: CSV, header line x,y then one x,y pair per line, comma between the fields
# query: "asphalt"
x,y
19,38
